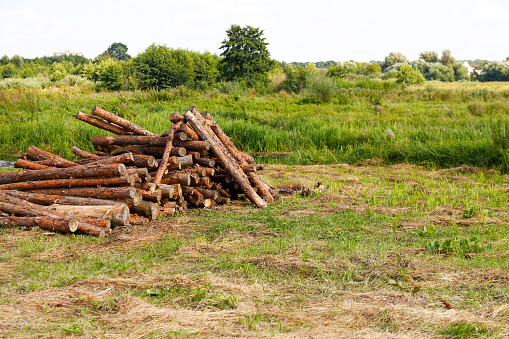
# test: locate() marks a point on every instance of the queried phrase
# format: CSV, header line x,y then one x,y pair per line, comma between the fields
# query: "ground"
x,y
380,252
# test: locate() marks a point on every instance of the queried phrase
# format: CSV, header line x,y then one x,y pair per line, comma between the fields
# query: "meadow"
x,y
435,124
408,239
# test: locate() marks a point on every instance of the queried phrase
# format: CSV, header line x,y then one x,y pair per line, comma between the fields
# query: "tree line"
x,y
245,60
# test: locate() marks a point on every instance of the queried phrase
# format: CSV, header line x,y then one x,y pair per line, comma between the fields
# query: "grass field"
x,y
409,238
383,252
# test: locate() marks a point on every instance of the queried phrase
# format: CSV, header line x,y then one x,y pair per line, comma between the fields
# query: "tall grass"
x,y
432,124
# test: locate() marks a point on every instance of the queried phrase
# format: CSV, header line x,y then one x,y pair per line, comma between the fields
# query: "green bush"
x,y
320,88
409,76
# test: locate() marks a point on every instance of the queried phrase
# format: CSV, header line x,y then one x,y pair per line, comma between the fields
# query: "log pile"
x,y
132,177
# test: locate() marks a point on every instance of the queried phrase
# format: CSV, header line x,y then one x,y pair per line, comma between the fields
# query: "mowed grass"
x,y
382,251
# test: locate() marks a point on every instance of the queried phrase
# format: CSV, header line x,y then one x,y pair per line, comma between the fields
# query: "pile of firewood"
x,y
131,178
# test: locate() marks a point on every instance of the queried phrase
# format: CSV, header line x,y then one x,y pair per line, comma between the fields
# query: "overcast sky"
x,y
319,30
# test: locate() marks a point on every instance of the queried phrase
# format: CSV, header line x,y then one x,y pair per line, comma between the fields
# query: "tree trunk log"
x,y
54,224
83,171
128,140
118,214
27,164
82,154
125,124
46,199
61,183
50,159
89,119
127,194
147,209
193,145
193,117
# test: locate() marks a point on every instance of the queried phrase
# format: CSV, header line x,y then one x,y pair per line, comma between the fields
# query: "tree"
x,y
429,56
9,71
394,58
246,56
373,68
118,51
409,76
160,67
447,59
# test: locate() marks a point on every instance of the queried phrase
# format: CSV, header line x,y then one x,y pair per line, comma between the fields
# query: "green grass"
x,y
435,124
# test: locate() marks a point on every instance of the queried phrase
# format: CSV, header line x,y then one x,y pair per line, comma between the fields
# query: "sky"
x,y
303,31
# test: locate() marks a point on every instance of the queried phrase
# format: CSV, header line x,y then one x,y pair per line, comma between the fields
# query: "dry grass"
x,y
226,277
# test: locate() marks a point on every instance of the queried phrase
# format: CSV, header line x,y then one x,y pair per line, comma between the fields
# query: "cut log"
x,y
82,154
60,183
144,161
167,151
189,132
117,214
50,159
127,140
61,225
176,117
27,164
186,160
180,135
126,194
125,124
141,172
193,145
138,220
124,158
94,121
46,199
89,229
193,117
177,178
206,162
146,209
83,171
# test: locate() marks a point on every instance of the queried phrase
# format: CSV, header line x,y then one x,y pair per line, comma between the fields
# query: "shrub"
x,y
495,71
320,88
409,76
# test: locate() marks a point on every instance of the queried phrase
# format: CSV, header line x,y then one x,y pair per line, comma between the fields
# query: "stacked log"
x,y
133,176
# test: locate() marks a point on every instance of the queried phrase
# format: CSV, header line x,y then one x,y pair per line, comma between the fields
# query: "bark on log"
x,y
199,125
127,140
50,159
83,171
124,158
89,229
61,225
127,194
181,136
94,121
146,209
117,214
61,183
82,154
158,152
176,117
46,199
206,162
193,145
144,161
189,132
167,151
138,220
125,124
27,164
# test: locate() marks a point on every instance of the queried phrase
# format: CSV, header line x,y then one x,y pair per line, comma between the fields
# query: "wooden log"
x,y
195,154
54,224
226,140
83,171
94,121
167,151
141,172
208,193
197,122
189,132
36,154
138,220
46,199
144,161
193,145
180,135
125,124
158,152
186,160
60,183
89,229
176,117
170,191
126,194
124,158
206,162
146,209
31,165
127,140
103,223
177,178
117,214
82,154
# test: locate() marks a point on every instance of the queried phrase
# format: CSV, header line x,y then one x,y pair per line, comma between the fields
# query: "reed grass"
x,y
433,124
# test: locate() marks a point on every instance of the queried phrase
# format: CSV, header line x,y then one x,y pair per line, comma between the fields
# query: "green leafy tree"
x,y
58,71
18,61
118,51
4,60
246,57
394,58
460,72
447,59
373,68
429,56
409,76
495,71
160,67
9,71
110,74
206,69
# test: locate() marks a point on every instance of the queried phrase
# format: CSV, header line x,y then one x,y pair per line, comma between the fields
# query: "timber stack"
x,y
132,177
